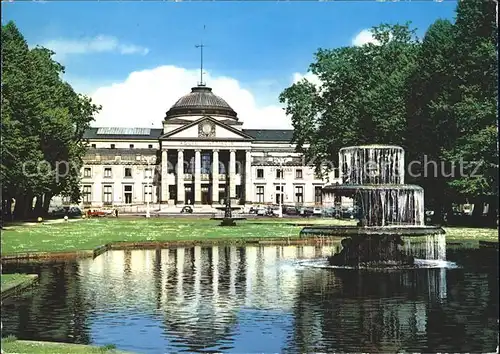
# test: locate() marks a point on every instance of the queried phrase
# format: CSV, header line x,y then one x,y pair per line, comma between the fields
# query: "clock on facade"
x,y
206,129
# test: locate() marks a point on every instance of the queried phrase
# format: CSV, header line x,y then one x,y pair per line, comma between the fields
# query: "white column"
x,y
248,177
180,273
215,273
232,173
164,177
180,176
197,176
250,267
197,275
215,176
164,275
233,265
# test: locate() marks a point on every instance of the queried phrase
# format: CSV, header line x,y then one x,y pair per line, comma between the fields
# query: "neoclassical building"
x,y
200,148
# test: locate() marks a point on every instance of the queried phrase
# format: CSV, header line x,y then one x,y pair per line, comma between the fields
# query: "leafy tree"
x,y
476,105
361,99
430,123
43,121
20,141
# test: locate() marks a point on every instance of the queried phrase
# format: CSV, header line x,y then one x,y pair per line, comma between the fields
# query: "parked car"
x,y
329,212
317,211
273,211
306,212
291,211
348,213
67,211
261,211
97,213
187,210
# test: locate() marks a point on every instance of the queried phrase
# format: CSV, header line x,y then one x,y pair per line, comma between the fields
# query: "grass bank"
x,y
10,282
471,234
92,233
89,234
12,345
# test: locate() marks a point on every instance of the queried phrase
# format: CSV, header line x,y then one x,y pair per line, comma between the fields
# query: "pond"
x,y
258,299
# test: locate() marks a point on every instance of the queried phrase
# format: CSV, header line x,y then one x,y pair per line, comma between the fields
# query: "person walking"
x,y
116,212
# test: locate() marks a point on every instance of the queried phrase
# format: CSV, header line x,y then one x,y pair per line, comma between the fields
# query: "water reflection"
x,y
367,311
255,299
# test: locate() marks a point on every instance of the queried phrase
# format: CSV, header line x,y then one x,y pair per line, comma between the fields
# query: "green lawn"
x,y
11,345
471,234
10,281
89,234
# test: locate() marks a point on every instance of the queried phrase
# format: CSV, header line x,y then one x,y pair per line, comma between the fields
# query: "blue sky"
x,y
259,44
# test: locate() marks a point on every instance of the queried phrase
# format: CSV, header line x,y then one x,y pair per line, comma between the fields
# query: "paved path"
x,y
32,223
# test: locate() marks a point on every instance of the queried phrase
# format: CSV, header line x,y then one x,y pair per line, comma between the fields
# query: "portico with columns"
x,y
198,174
203,146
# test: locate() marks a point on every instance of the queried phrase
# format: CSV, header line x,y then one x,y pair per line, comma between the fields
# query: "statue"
x,y
228,219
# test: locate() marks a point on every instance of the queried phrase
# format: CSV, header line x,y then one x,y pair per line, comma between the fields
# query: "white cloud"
x,y
142,99
364,37
98,44
309,76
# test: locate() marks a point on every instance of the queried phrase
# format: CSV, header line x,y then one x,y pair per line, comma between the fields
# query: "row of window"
x,y
297,198
280,173
113,146
107,194
148,172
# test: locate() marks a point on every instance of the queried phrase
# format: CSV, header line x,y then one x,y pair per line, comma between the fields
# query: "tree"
x,y
43,121
65,116
361,98
430,123
476,104
20,141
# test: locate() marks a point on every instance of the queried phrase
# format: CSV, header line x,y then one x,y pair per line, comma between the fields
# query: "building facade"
x,y
201,148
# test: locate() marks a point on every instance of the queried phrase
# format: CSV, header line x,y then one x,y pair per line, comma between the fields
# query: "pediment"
x,y
206,128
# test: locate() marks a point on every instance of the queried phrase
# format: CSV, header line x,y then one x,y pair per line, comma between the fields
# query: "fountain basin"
x,y
352,189
224,208
387,209
388,250
386,204
372,164
347,231
380,250
227,221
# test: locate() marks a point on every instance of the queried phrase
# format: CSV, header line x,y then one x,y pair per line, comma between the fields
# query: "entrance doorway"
x,y
127,191
279,194
205,194
189,195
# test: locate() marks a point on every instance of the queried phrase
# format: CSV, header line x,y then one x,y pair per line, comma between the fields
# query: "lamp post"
x,y
280,211
149,184
279,160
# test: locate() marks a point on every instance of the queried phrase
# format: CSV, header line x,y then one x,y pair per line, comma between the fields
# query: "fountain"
x,y
228,219
388,210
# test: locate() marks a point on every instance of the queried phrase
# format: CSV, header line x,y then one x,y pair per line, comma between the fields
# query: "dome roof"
x,y
201,101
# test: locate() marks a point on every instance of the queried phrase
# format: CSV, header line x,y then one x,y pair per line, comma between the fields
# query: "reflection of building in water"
x,y
127,278
198,290
382,311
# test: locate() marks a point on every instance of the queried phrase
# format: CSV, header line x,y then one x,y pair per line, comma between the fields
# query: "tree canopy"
x,y
43,121
435,96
